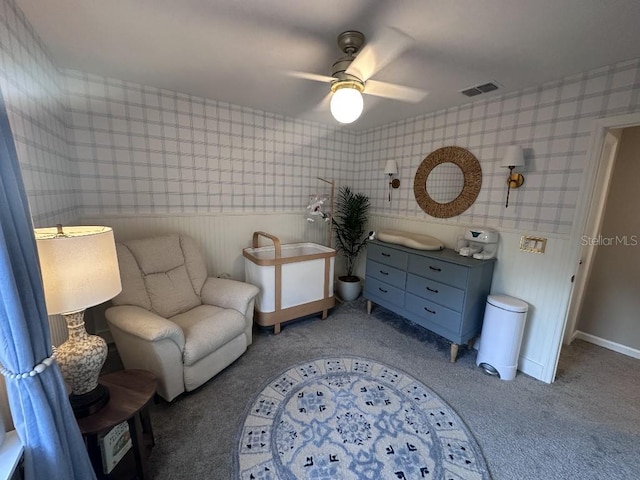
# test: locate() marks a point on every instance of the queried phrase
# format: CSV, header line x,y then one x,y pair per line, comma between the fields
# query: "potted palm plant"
x,y
349,224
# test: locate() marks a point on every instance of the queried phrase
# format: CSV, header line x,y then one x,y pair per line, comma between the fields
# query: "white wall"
x,y
138,150
553,123
35,100
124,132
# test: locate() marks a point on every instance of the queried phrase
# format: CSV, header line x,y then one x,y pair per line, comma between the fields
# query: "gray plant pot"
x,y
348,289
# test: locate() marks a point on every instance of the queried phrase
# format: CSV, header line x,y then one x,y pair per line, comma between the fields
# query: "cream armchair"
x,y
174,320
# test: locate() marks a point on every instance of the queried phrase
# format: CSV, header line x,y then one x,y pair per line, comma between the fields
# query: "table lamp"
x,y
79,269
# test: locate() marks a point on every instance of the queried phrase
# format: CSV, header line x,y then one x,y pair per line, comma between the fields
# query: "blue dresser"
x,y
440,291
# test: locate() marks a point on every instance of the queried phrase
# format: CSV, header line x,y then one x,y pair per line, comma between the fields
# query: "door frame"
x,y
592,229
590,211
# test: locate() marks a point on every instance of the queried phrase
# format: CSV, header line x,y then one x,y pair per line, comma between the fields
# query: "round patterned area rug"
x,y
352,418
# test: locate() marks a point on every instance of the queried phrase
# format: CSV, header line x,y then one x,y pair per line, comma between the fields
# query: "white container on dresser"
x,y
438,290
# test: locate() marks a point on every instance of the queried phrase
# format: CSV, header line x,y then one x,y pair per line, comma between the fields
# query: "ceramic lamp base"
x,y
81,358
90,402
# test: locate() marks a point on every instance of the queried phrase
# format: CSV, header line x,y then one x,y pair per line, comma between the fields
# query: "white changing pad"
x,y
411,240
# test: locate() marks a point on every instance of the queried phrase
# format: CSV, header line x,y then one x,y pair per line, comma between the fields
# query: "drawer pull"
x,y
383,290
383,272
435,269
432,290
385,254
430,311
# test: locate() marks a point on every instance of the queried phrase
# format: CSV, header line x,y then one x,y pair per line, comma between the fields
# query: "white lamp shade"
x,y
346,105
79,268
513,157
391,168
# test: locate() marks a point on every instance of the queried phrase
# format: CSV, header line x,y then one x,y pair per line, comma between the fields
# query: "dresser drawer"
x,y
434,313
437,292
438,270
384,291
385,273
387,256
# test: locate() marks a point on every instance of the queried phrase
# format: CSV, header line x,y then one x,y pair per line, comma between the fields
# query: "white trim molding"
x,y
608,344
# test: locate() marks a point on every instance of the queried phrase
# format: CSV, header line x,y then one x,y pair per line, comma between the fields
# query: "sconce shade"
x,y
79,268
513,157
391,168
346,104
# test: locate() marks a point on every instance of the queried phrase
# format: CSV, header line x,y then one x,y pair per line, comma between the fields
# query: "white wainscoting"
x,y
221,236
542,280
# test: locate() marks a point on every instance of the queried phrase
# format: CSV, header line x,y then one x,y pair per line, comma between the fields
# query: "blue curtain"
x,y
41,411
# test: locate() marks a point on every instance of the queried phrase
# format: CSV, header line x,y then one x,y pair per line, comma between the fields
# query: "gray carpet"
x,y
584,426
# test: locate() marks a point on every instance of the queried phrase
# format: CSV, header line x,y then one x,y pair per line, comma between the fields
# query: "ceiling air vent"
x,y
479,89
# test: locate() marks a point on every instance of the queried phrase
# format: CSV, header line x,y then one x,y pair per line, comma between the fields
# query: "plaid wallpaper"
x,y
552,122
90,145
140,149
34,96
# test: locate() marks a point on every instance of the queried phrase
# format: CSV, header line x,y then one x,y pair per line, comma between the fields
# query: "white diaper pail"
x,y
502,329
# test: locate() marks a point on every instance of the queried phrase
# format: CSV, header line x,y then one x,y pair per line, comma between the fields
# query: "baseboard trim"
x,y
608,344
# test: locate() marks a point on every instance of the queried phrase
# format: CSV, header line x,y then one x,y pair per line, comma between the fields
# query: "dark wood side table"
x,y
130,392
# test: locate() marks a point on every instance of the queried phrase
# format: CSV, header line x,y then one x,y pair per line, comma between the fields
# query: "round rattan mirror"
x,y
471,182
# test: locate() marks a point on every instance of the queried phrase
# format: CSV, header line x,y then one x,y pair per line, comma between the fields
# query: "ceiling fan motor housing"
x,y
349,42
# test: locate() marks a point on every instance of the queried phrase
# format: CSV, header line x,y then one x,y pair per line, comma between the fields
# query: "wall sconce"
x,y
513,158
391,169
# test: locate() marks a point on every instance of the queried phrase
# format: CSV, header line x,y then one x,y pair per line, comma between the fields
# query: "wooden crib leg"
x,y
325,313
276,329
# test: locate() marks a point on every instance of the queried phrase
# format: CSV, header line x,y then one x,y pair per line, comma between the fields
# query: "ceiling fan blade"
x,y
379,52
395,92
324,104
311,76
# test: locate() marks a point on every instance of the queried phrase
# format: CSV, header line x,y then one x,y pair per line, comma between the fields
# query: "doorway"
x,y
604,304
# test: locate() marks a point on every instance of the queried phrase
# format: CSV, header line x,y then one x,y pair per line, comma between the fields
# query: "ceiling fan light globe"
x,y
346,105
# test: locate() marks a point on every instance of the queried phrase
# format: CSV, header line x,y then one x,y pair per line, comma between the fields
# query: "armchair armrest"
x,y
226,293
149,342
144,324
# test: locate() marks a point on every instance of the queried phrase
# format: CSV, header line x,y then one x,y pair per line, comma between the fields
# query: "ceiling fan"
x,y
351,73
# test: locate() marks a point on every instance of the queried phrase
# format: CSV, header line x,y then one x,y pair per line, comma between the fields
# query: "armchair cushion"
x,y
171,292
207,328
159,254
158,275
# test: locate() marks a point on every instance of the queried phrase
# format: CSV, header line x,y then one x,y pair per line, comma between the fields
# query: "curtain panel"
x,y
40,408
